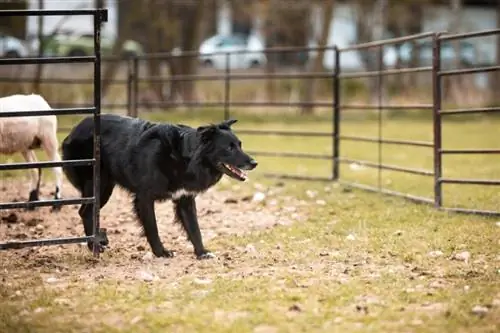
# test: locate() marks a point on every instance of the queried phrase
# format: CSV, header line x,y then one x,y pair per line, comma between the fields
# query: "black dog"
x,y
155,162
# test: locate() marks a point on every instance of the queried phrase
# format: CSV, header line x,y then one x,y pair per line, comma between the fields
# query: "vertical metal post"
x,y
135,90
99,16
380,66
436,86
130,82
227,87
336,114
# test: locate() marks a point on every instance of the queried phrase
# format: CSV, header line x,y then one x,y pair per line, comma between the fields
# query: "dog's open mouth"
x,y
233,172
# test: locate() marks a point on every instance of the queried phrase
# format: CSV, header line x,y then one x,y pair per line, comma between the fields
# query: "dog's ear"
x,y
207,132
226,124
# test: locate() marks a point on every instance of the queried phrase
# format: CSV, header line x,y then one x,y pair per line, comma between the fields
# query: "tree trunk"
x,y
192,29
39,67
316,65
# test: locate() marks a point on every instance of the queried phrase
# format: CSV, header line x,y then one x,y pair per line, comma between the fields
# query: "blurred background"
x,y
171,27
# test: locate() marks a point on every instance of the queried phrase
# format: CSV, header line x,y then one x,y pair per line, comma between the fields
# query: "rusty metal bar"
x,y
379,113
43,203
237,77
61,81
469,181
336,116
46,60
290,154
387,42
482,33
385,72
282,133
51,12
282,49
374,165
387,107
240,104
11,245
296,177
436,120
57,112
414,198
51,164
469,70
490,213
469,111
227,87
470,151
96,176
387,141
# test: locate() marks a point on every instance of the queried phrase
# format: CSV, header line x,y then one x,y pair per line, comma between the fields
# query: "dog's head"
x,y
225,153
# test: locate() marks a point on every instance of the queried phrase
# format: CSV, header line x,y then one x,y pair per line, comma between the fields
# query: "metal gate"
x,y
99,16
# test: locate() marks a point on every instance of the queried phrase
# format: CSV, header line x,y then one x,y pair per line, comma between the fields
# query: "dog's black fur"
x,y
155,162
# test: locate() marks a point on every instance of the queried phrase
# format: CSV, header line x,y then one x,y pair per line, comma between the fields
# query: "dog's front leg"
x,y
145,210
185,212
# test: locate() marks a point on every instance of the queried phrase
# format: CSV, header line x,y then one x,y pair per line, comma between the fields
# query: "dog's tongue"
x,y
237,171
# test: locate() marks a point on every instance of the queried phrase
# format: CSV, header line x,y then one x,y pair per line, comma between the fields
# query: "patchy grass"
x,y
354,262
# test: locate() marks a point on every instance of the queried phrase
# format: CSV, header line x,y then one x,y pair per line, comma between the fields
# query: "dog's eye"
x,y
231,147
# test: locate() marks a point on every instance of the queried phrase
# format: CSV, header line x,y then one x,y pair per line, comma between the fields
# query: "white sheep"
x,y
24,134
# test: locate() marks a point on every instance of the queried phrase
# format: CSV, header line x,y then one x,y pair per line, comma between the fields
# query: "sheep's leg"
x,y
30,157
50,147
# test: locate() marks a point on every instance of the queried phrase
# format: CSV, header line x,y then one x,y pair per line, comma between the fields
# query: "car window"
x,y
231,41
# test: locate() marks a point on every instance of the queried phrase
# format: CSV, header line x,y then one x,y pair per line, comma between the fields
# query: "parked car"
x,y
233,43
74,45
467,53
12,47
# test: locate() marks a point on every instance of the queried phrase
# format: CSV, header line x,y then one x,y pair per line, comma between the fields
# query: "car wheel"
x,y
254,64
207,63
76,53
12,54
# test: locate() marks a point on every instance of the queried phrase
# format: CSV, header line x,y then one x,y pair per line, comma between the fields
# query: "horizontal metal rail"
x,y
387,141
57,112
386,107
469,181
387,42
482,33
43,203
240,104
187,54
470,151
414,198
283,133
46,60
50,12
292,155
384,72
469,70
490,213
369,164
51,164
61,81
469,111
222,77
11,245
295,177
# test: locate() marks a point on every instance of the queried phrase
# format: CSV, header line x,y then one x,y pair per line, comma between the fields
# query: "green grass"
x,y
310,277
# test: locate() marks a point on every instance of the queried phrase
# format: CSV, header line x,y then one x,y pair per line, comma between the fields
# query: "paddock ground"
x,y
311,257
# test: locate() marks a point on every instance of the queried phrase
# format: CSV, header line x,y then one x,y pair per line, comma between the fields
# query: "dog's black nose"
x,y
253,163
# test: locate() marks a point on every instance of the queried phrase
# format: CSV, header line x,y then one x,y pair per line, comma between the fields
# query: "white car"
x,y
222,44
12,47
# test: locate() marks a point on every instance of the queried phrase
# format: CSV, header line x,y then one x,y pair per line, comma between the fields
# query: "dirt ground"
x,y
220,213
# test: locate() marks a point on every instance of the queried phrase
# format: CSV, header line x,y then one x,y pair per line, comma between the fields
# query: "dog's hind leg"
x,y
185,212
145,210
86,210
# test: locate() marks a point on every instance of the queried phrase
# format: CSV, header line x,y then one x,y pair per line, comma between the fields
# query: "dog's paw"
x,y
164,253
206,255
